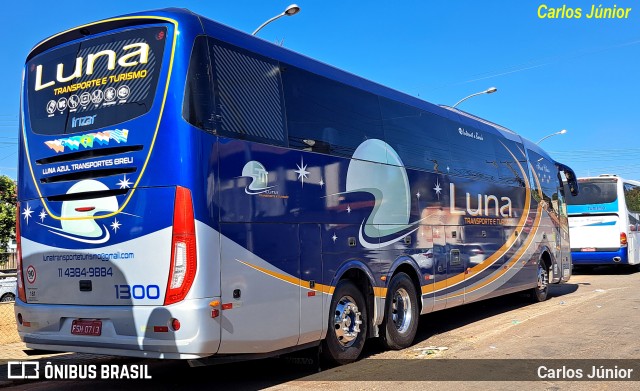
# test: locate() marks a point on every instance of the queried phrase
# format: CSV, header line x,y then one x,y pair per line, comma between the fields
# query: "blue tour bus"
x,y
604,221
187,190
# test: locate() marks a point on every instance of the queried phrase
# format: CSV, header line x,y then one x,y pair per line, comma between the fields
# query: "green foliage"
x,y
7,211
632,197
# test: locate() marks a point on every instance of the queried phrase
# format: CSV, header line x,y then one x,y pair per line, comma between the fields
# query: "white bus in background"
x,y
603,221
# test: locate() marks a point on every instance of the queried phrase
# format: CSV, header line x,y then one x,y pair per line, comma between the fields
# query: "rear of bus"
x,y
106,221
598,222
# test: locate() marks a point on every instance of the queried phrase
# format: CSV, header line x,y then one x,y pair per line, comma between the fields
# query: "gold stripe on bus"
x,y
523,249
379,292
155,134
459,278
512,262
290,279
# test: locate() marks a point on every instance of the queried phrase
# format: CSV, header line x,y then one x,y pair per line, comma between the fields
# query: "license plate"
x,y
588,249
86,327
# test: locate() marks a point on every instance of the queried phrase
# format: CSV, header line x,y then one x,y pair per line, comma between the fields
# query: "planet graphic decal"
x,y
76,222
377,169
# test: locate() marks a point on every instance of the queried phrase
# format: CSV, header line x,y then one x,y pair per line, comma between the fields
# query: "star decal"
x,y
43,214
418,195
27,213
124,183
334,237
302,171
115,225
438,189
321,183
348,208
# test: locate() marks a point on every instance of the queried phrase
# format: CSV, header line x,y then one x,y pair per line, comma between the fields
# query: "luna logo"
x,y
500,208
259,178
132,55
83,121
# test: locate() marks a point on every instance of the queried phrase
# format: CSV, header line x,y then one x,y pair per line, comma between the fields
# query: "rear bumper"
x,y
126,330
617,257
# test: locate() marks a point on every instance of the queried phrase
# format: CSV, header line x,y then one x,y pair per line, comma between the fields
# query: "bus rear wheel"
x,y
401,313
347,324
541,291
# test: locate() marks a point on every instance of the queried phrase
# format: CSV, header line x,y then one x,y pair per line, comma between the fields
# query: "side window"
x,y
511,161
327,116
198,107
419,137
632,197
545,178
249,95
473,153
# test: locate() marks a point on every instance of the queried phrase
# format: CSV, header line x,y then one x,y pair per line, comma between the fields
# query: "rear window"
x,y
96,82
593,191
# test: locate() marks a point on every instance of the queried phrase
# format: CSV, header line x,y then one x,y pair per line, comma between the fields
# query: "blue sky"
x,y
582,75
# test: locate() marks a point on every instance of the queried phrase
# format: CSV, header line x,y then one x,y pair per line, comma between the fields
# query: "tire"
x,y
347,329
8,297
401,314
541,291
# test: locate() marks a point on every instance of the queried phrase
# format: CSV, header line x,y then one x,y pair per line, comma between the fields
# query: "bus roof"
x,y
279,53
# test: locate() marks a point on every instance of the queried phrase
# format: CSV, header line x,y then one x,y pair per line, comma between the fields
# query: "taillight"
x,y
623,239
183,248
21,291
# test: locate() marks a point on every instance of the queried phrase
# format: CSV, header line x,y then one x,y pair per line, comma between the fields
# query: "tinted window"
x,y
545,179
198,107
95,83
333,117
632,197
419,137
511,161
473,153
593,191
249,96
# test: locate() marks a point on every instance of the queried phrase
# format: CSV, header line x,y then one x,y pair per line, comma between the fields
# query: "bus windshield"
x,y
594,191
96,82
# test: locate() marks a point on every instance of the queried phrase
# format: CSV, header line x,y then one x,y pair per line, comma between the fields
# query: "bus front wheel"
x,y
347,324
541,290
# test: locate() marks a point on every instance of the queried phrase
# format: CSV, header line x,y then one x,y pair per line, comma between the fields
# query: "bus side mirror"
x,y
572,181
573,187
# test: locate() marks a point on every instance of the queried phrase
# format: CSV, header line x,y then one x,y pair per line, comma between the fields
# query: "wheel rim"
x,y
347,321
401,310
543,278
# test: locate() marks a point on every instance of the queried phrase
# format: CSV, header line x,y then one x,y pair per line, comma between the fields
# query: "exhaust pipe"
x,y
617,259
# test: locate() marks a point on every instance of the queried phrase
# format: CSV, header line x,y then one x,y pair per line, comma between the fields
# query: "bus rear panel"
x,y
106,222
603,228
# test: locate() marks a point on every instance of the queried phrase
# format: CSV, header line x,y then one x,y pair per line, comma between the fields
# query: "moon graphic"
x,y
377,169
85,230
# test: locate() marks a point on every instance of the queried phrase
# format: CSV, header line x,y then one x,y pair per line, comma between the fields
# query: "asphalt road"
x,y
594,318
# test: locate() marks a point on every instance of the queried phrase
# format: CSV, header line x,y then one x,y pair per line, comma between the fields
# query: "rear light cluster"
x,y
183,248
623,239
21,291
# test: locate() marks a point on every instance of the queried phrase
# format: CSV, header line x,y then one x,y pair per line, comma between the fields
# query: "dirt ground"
x,y
8,330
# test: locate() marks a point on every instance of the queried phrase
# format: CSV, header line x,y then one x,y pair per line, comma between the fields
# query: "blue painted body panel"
x,y
600,257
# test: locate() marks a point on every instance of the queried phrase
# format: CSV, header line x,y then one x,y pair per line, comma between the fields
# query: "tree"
x,y
632,197
7,211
